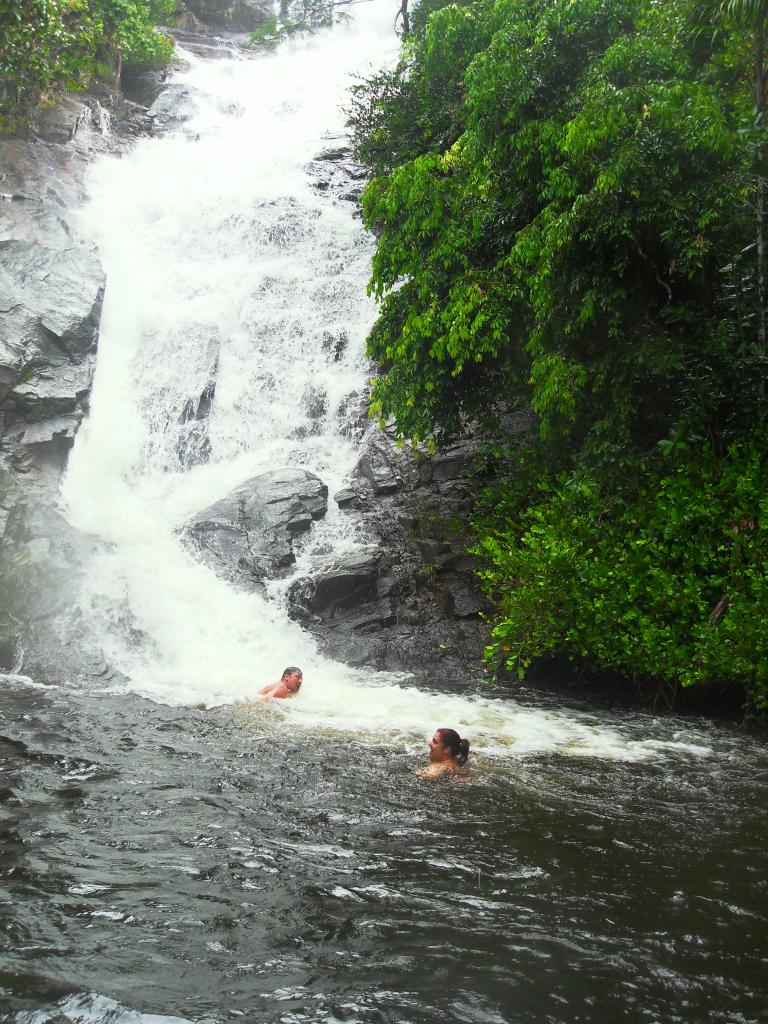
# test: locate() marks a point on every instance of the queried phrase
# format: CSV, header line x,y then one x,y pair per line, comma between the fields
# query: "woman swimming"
x,y
447,753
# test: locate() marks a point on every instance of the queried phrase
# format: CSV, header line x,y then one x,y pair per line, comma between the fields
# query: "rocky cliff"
x,y
51,292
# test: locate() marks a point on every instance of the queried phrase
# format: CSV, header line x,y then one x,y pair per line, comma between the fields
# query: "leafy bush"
x,y
663,576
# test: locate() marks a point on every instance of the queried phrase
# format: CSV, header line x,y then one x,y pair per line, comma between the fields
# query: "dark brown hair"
x,y
458,747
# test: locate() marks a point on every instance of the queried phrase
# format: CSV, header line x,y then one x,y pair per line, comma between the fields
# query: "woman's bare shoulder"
x,y
435,771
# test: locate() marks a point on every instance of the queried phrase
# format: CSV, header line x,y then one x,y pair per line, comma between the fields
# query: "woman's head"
x,y
446,745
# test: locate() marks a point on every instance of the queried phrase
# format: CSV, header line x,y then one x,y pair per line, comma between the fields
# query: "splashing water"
x,y
224,264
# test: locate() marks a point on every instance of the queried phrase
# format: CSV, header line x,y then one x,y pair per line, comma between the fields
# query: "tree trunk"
x,y
403,13
760,239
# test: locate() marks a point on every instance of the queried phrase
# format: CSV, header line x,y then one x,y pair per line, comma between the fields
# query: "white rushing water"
x,y
219,252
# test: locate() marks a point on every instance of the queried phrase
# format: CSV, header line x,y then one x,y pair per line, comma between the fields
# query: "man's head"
x,y
292,677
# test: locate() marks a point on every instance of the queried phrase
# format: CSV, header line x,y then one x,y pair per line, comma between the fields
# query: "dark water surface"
x,y
223,865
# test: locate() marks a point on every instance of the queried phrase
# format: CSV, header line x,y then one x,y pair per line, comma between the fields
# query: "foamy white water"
x,y
223,261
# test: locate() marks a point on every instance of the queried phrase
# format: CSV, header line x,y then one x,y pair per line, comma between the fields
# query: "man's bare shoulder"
x,y
273,690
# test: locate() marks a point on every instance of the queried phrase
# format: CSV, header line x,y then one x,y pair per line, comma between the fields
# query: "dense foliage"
x,y
50,45
568,198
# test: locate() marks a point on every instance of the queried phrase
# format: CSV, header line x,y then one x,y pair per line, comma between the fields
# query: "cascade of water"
x,y
223,263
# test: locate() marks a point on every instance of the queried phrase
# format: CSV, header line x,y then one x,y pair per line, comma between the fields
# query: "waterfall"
x,y
232,281
231,275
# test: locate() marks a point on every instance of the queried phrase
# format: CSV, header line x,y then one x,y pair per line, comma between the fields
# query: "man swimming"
x,y
289,685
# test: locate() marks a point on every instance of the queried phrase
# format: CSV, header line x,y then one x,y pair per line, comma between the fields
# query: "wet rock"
x,y
52,301
199,407
51,289
172,107
465,601
333,172
345,497
337,153
248,535
352,416
40,626
437,553
10,640
452,463
143,85
56,428
314,401
345,584
60,122
187,22
52,390
132,120
235,15
381,465
413,599
193,446
335,343
349,598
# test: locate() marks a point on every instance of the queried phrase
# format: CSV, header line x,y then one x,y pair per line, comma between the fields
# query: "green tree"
x,y
566,224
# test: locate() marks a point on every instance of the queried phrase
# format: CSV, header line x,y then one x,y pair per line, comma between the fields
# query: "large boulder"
x,y
248,535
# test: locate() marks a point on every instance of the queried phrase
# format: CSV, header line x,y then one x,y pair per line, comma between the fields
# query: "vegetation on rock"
x,y
568,202
48,46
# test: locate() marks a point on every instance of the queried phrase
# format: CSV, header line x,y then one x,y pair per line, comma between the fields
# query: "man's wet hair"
x,y
290,671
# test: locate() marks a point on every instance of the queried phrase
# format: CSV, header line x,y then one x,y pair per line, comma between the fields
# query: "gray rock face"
x,y
51,301
348,593
51,289
412,600
235,15
381,465
60,123
248,536
334,171
50,391
143,85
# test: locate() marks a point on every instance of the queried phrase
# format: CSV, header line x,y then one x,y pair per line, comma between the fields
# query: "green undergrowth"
x,y
659,573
